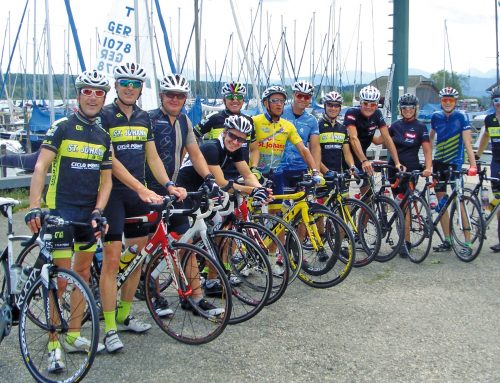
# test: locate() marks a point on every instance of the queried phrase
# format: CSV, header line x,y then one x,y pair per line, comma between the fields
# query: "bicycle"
x,y
417,215
326,237
357,215
41,306
467,227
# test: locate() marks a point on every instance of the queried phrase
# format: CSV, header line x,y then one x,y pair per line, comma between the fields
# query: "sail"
x,y
126,37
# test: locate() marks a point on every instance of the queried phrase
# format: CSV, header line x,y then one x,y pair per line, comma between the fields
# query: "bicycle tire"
x,y
260,234
33,336
185,324
318,271
462,250
28,255
421,228
390,217
367,231
292,242
251,295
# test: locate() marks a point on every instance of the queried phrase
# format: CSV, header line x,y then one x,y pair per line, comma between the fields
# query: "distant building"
x,y
420,86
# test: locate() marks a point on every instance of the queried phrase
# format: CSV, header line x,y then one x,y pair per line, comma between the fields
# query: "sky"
x,y
470,35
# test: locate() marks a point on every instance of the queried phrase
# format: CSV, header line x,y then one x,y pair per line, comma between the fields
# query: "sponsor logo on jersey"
x,y
84,166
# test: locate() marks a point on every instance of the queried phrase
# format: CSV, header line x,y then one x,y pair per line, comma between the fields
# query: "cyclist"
x,y
492,131
335,150
271,135
292,165
79,150
173,136
361,123
132,140
453,133
409,135
226,151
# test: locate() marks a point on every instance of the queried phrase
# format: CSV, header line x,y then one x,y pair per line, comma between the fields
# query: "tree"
x,y
444,78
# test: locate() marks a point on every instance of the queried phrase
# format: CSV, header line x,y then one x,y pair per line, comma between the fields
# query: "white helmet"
x,y
130,70
369,93
174,83
273,89
234,87
448,92
239,123
93,79
303,87
332,97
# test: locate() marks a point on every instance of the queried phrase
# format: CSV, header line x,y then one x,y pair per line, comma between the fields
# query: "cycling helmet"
x,y
174,83
273,89
303,87
408,99
448,92
239,123
495,92
130,70
369,93
332,97
93,79
234,87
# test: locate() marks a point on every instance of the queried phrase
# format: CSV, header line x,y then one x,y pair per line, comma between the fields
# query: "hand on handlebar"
x,y
367,167
427,172
33,219
178,192
99,223
149,196
472,171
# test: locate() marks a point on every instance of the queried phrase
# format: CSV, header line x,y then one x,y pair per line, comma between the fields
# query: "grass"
x,y
21,194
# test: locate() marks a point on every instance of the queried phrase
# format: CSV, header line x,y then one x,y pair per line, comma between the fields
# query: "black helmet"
x,y
495,92
408,99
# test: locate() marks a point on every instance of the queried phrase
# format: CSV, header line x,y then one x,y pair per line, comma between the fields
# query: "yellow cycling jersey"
x,y
272,138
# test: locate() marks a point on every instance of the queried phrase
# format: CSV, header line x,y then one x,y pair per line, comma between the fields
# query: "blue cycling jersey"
x,y
449,141
306,125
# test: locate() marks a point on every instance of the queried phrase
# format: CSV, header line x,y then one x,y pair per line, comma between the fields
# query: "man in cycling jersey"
x,y
292,165
453,134
79,150
133,144
492,131
233,97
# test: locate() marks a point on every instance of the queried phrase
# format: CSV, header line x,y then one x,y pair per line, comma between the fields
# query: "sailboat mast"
x,y
197,46
34,51
49,62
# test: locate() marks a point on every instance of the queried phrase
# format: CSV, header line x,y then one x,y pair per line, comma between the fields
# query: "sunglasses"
x,y
333,105
178,96
136,84
230,97
234,137
407,107
496,100
303,96
450,100
277,100
93,92
370,104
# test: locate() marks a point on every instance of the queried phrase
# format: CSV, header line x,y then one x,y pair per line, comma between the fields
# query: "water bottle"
x,y
494,202
485,199
399,198
127,256
22,279
98,256
433,201
441,203
15,274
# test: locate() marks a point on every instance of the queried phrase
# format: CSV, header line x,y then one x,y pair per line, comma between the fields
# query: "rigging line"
x,y
275,59
449,51
325,72
290,59
305,44
251,29
187,49
373,47
158,50
319,61
218,85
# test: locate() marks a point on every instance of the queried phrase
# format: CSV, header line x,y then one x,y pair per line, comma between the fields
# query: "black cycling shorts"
x,y
438,166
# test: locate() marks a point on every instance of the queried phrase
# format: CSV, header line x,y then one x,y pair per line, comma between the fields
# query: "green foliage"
x,y
453,79
21,194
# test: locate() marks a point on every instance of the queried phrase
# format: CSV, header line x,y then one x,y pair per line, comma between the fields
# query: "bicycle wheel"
x,y
252,288
28,255
292,242
275,252
332,262
187,323
34,336
418,219
390,218
363,223
466,228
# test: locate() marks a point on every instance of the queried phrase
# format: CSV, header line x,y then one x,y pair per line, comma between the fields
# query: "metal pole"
x,y
496,39
399,51
49,61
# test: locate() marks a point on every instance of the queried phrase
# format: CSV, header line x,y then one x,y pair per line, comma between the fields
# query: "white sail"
x,y
118,45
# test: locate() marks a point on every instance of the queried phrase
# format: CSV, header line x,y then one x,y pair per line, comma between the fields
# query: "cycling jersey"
x,y
408,138
332,137
215,154
307,126
272,137
449,141
492,126
170,141
365,126
129,139
83,149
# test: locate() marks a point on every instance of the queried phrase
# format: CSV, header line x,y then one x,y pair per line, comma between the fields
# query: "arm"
x,y
358,150
247,174
254,154
104,189
346,151
199,162
468,146
427,149
378,140
315,149
306,155
384,131
222,182
483,143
